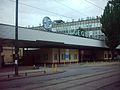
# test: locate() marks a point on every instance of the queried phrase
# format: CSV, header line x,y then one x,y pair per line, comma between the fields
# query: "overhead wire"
x,y
94,4
70,7
42,9
61,4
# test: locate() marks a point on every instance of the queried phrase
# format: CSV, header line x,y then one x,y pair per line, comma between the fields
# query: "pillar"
x,y
1,60
79,55
59,54
82,55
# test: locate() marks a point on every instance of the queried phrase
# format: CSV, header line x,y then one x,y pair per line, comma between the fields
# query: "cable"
x,y
94,4
42,9
69,7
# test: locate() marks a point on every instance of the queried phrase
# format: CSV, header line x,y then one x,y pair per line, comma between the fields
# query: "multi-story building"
x,y
90,28
37,28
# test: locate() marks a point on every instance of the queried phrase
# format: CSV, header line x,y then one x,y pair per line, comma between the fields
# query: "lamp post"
x,y
16,40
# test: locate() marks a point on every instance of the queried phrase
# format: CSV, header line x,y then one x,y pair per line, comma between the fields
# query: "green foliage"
x,y
110,21
81,31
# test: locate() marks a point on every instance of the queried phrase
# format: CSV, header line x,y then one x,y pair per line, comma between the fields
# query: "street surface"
x,y
74,77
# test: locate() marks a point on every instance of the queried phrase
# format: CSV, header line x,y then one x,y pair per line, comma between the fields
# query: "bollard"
x,y
25,74
87,62
56,67
70,62
64,63
77,62
8,76
44,67
44,72
53,67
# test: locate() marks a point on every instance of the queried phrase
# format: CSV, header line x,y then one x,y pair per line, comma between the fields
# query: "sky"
x,y
32,12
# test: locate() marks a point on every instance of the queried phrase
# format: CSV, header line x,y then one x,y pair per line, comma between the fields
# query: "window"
x,y
55,56
62,56
105,55
75,56
45,56
69,56
109,55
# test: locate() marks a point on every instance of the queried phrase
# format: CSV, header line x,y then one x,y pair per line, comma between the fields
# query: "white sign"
x,y
67,54
16,61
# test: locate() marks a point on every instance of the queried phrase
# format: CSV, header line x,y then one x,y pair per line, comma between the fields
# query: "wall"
x,y
40,56
50,55
8,55
66,55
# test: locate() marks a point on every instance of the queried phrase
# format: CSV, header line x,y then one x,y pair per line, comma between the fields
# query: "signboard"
x,y
16,61
67,54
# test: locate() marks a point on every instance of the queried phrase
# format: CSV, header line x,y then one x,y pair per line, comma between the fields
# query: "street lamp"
x,y
16,40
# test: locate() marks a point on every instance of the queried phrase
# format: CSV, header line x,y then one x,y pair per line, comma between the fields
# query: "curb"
x,y
18,77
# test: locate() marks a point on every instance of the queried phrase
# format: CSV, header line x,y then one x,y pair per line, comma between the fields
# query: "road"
x,y
105,77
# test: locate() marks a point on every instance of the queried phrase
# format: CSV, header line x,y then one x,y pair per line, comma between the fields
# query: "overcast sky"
x,y
31,12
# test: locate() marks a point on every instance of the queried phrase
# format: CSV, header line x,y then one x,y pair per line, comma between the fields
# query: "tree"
x,y
110,21
81,32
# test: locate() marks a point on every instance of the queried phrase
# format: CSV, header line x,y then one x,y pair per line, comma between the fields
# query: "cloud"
x,y
55,9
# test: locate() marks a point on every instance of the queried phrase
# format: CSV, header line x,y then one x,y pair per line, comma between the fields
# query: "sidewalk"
x,y
88,64
26,71
8,73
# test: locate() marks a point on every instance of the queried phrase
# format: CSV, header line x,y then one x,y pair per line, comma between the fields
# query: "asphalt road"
x,y
74,78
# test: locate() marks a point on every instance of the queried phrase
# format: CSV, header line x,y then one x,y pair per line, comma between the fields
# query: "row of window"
x,y
77,23
66,56
90,25
107,56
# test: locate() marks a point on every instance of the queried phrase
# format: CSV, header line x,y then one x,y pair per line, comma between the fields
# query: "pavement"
x,y
8,73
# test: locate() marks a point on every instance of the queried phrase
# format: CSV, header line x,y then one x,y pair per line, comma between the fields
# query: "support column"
x,y
16,40
23,56
59,54
79,55
82,55
1,60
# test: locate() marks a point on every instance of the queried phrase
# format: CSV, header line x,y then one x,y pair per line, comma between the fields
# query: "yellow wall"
x,y
73,55
8,54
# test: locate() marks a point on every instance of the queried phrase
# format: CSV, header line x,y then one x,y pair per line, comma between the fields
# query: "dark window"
x,y
69,56
45,56
109,55
105,55
75,56
55,56
62,56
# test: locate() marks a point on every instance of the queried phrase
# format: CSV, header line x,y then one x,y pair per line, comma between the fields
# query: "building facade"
x,y
89,28
38,56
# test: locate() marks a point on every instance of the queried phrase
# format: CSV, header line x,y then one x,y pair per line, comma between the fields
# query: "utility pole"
x,y
16,40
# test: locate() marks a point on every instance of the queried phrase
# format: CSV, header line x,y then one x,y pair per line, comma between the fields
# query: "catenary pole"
x,y
16,40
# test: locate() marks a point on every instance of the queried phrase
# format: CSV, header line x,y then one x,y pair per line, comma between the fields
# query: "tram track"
x,y
54,80
84,83
47,84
